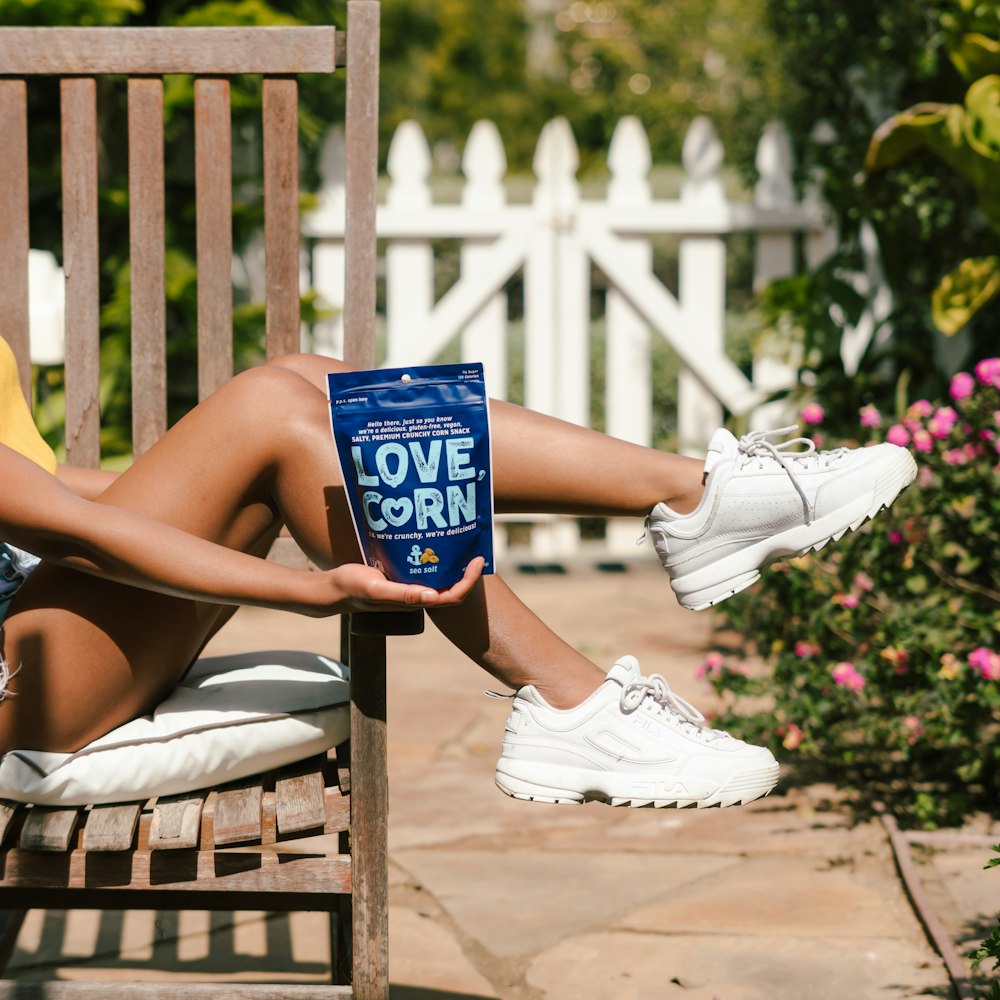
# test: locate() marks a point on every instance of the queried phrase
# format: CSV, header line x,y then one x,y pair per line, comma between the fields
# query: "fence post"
x,y
484,164
629,374
775,361
409,265
328,254
702,285
556,309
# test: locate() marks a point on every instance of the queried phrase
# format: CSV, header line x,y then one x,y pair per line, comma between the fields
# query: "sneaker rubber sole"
x,y
527,780
715,583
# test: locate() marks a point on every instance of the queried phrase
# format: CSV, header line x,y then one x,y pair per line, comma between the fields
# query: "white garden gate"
x,y
554,240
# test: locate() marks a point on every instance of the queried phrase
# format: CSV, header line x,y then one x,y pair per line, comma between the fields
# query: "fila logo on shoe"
x,y
658,789
647,725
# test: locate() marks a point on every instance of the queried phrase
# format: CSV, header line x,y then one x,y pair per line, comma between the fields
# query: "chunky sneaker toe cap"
x,y
763,501
634,742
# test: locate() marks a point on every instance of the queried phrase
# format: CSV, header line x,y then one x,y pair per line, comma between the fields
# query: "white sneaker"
x,y
633,742
763,501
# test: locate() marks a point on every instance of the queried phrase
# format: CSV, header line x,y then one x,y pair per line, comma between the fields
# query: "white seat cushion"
x,y
231,717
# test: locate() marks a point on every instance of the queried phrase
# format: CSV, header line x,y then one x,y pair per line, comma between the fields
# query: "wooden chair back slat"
x,y
214,227
14,221
156,51
82,269
147,253
361,179
281,225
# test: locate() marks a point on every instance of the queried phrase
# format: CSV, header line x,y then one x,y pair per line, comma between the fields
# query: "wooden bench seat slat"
x,y
82,990
300,803
111,828
179,871
237,816
47,829
8,810
176,823
156,51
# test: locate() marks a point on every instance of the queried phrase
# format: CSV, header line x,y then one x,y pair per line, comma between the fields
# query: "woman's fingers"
x,y
371,591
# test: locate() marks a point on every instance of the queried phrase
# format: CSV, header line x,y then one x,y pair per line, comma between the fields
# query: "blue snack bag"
x,y
414,448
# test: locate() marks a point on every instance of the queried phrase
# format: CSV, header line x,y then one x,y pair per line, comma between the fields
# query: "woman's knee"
x,y
312,367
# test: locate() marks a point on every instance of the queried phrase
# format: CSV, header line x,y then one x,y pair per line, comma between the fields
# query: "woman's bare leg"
x,y
545,465
256,454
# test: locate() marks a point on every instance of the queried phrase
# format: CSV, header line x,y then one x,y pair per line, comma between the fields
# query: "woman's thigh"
x,y
91,654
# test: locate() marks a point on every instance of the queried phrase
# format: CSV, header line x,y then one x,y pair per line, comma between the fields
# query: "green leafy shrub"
x,y
882,652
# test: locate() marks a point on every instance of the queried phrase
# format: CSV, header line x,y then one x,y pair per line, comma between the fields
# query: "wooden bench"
x,y
252,845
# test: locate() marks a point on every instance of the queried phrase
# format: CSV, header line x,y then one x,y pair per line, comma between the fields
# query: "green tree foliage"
x,y
666,63
849,68
966,137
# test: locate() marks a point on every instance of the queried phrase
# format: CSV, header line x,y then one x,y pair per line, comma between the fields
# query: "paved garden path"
x,y
785,899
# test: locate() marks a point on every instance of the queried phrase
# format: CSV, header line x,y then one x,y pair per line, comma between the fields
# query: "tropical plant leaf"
x,y
981,123
963,292
976,56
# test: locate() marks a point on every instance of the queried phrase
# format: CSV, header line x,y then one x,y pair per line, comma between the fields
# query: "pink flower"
x,y
849,601
986,662
919,410
899,658
925,476
863,582
898,435
870,417
923,441
895,537
846,675
793,737
711,665
988,372
962,386
804,650
812,413
955,456
941,424
916,729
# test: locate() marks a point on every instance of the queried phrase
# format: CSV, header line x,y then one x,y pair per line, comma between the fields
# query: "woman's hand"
x,y
356,587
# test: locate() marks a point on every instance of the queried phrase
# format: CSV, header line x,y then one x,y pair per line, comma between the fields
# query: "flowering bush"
x,y
883,650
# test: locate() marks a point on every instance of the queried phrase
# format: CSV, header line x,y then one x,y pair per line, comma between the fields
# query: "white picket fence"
x,y
553,241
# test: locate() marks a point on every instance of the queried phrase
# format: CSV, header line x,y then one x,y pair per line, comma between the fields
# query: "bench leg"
x,y
369,819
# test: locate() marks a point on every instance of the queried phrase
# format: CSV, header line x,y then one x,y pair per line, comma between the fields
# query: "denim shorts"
x,y
16,566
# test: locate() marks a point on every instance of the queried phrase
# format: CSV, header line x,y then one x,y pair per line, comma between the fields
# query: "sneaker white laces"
x,y
657,690
756,445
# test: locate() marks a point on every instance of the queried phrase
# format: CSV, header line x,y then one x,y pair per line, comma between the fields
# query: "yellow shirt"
x,y
17,429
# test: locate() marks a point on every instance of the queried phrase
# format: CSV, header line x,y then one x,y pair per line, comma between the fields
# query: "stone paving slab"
x,y
621,966
490,898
